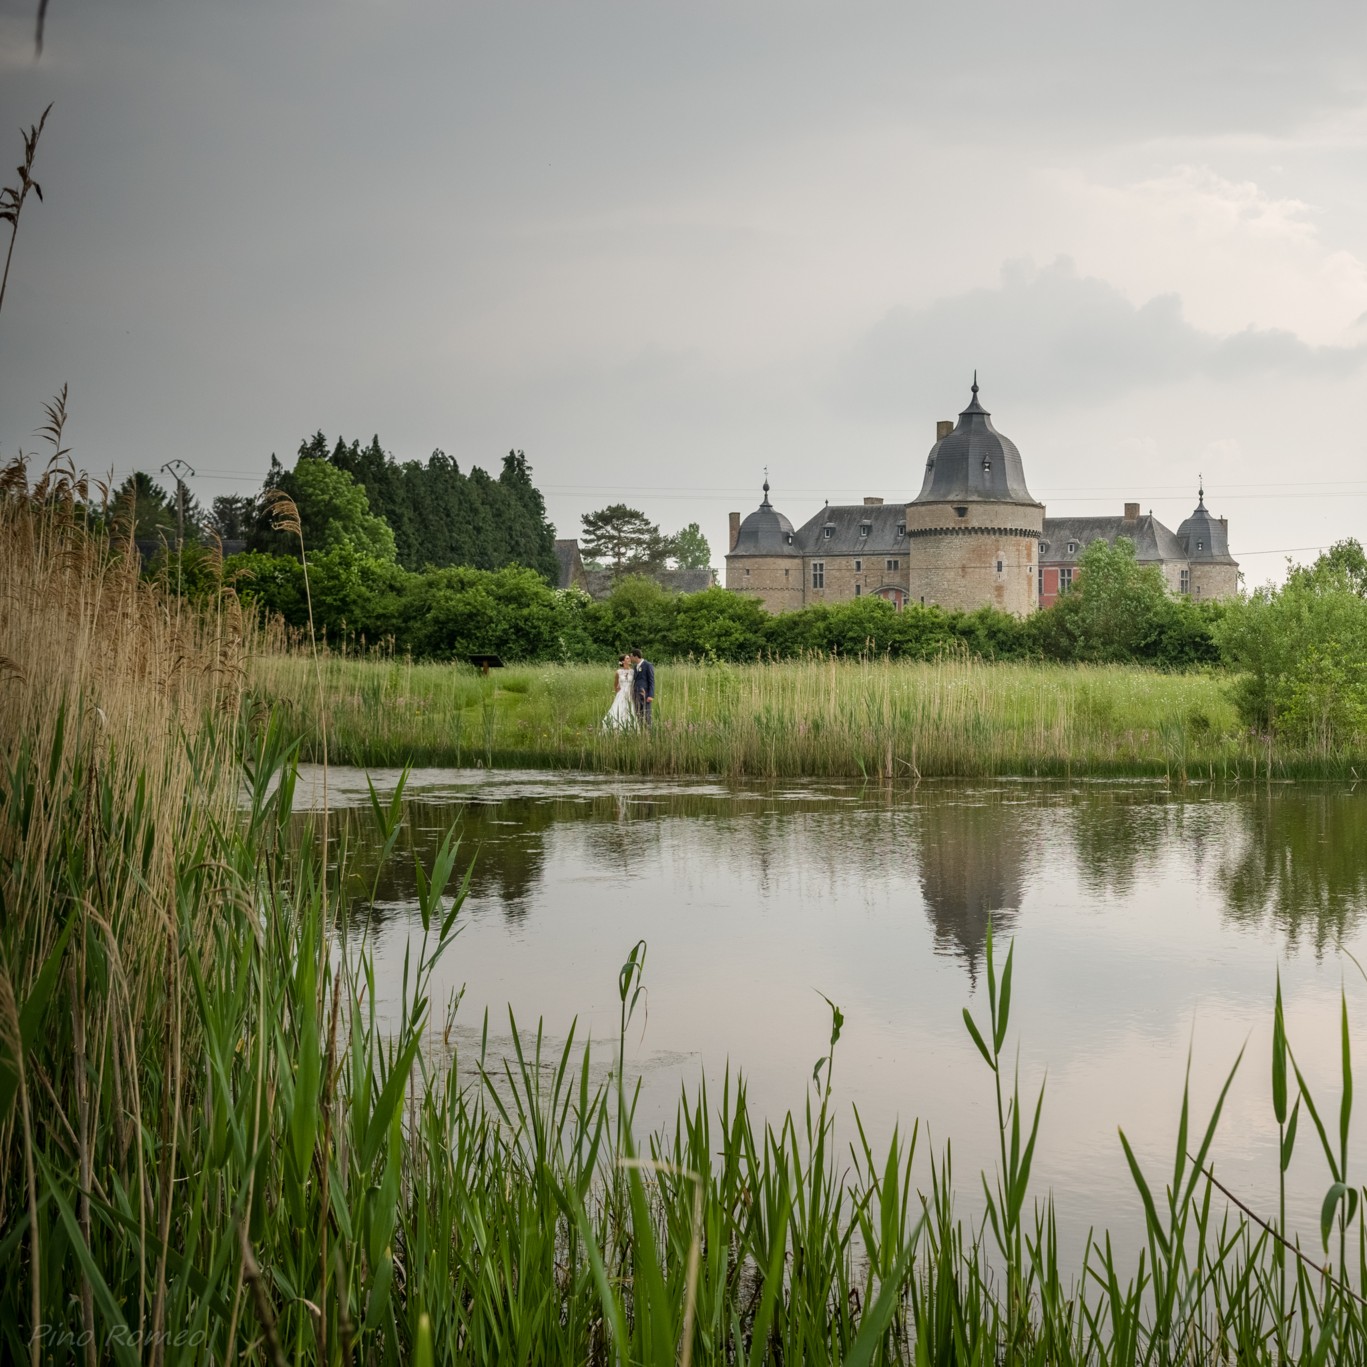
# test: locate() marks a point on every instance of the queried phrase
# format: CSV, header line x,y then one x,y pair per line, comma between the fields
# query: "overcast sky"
x,y
662,244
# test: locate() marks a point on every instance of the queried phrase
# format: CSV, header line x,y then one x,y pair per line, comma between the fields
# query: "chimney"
x,y
943,428
735,530
1224,522
1132,512
873,503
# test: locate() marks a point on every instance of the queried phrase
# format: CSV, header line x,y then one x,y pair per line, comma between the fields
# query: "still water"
x,y
1146,924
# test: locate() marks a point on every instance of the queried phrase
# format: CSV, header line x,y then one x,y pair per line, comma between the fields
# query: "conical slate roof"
x,y
1203,537
974,463
765,532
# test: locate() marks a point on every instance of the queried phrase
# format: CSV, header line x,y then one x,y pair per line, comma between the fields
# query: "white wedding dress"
x,y
622,714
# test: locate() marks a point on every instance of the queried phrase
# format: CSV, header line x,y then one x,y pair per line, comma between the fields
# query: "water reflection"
x,y
1300,863
973,857
1294,859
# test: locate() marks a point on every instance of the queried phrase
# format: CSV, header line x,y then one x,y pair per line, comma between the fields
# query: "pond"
x,y
1146,923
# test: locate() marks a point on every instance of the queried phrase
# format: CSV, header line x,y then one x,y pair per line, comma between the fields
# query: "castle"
x,y
973,537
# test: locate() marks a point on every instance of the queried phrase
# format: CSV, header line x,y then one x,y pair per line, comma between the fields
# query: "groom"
x,y
643,687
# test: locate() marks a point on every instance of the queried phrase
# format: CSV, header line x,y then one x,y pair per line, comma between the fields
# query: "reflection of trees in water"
x,y
503,844
1293,856
1120,835
973,869
1301,863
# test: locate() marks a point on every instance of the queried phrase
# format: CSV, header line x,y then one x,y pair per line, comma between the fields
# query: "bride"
x,y
622,714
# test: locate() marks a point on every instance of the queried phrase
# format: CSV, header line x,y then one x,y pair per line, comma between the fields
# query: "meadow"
x,y
210,1150
819,718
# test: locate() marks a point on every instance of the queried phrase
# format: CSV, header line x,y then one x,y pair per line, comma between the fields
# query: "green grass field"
x,y
817,719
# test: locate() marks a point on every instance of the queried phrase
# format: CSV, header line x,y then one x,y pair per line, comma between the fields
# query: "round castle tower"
x,y
973,531
1214,572
764,560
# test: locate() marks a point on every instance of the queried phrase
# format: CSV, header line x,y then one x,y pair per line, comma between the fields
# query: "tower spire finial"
x,y
975,382
1201,489
766,486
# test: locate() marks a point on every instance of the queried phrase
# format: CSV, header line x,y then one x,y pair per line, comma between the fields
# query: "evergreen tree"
x,y
625,537
232,517
142,510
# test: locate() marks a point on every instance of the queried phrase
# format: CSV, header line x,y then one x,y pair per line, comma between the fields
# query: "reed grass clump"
x,y
214,1148
818,718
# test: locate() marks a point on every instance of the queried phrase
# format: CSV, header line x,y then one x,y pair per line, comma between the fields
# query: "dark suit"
x,y
643,689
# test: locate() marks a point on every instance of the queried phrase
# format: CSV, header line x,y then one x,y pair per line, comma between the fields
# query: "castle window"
x,y
960,512
826,531
1041,581
1198,590
894,564
863,529
818,574
999,566
901,529
747,574
858,590
1072,547
858,565
1065,579
1200,545
790,538
1184,581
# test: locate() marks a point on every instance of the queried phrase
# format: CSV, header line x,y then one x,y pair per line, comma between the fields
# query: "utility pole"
x,y
174,468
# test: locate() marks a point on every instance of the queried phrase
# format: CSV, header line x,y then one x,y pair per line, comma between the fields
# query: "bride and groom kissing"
x,y
634,690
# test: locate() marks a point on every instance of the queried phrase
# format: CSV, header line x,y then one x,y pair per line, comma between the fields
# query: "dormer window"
x,y
826,531
1200,545
790,538
987,464
863,529
1072,547
901,529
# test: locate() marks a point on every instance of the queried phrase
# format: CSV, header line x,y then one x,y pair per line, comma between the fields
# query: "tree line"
x,y
413,514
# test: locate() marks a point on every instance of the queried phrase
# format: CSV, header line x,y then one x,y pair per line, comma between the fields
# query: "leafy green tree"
x,y
717,624
625,538
689,549
274,584
455,612
333,511
1301,653
1112,611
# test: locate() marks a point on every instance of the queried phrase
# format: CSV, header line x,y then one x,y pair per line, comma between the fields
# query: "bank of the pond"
x,y
820,719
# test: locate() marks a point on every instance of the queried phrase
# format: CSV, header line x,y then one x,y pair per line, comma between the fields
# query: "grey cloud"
x,y
1053,332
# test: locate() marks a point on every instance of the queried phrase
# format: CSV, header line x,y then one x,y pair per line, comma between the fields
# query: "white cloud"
x,y
1238,256
1056,332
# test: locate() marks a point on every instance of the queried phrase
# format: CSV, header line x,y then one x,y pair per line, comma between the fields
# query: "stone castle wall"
x,y
983,556
776,580
1214,581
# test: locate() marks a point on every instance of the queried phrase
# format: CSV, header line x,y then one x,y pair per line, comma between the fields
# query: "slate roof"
x,y
974,463
845,522
765,532
1153,542
1205,538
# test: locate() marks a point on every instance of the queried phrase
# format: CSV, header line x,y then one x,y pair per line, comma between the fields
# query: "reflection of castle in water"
x,y
1291,859
973,870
